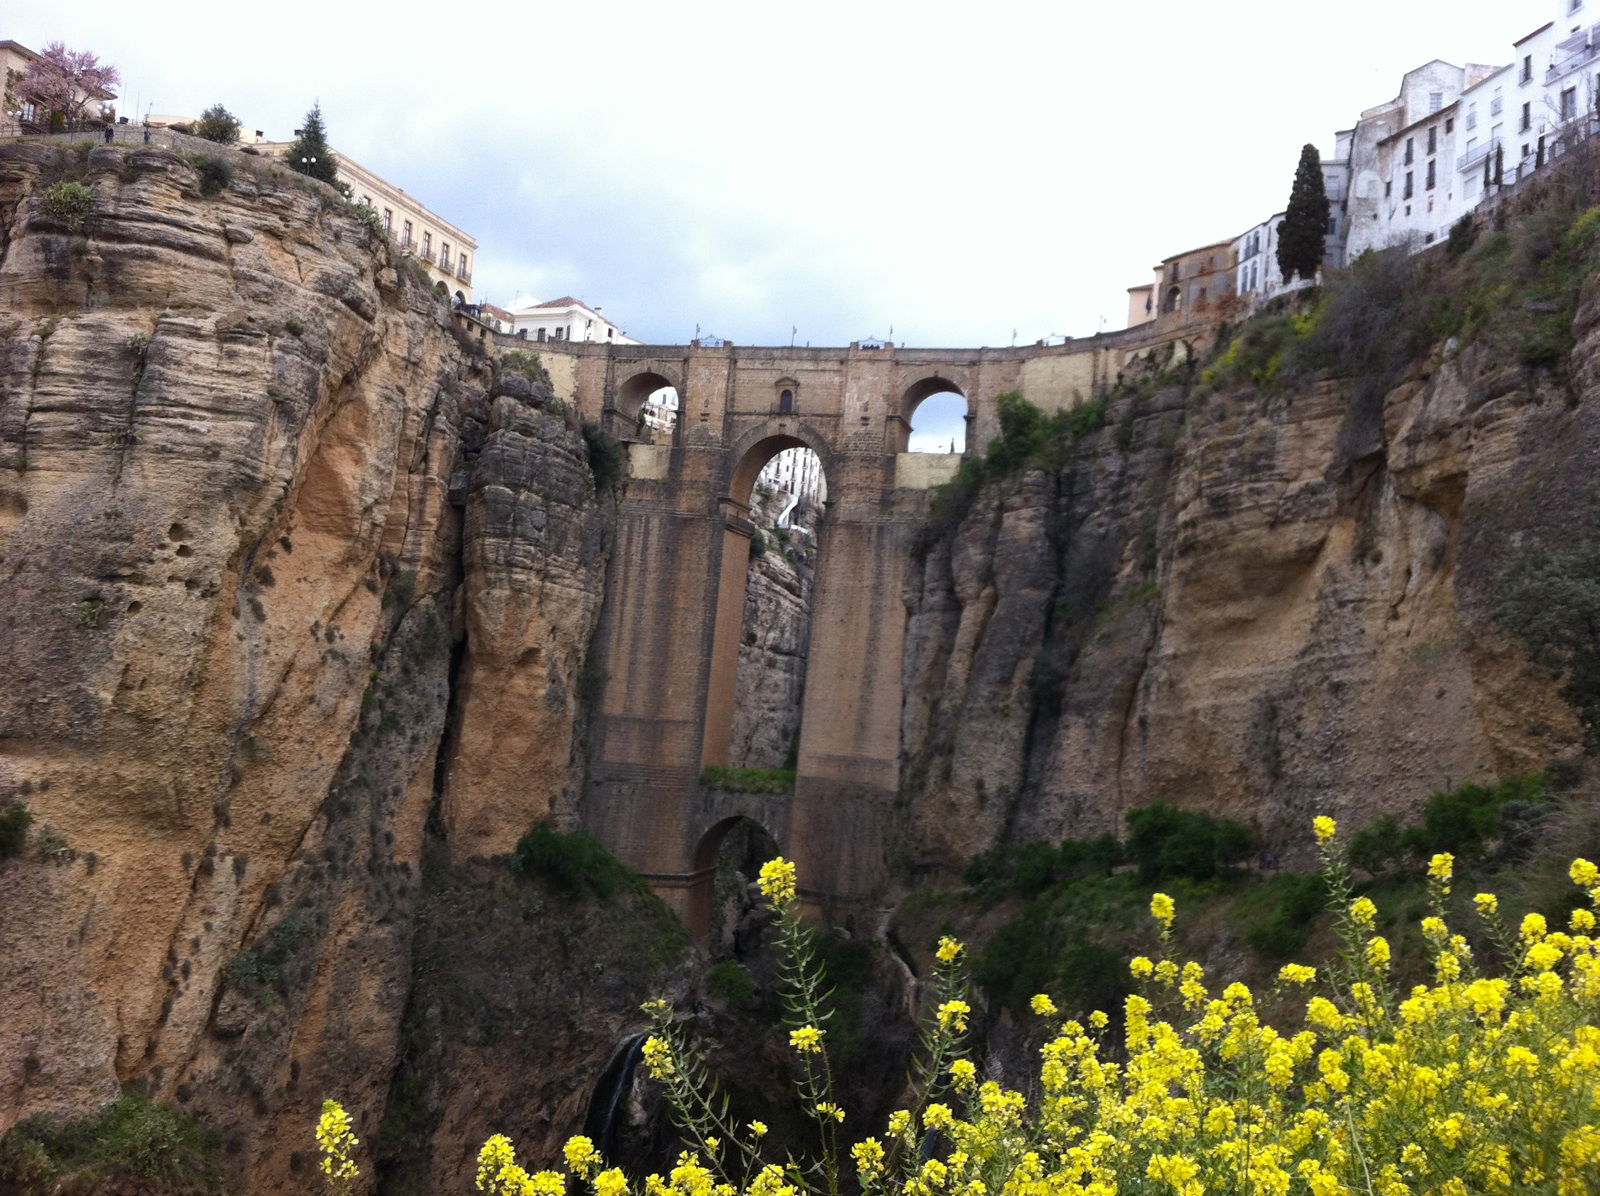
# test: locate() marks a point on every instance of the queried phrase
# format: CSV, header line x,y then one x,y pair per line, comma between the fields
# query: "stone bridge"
x,y
668,641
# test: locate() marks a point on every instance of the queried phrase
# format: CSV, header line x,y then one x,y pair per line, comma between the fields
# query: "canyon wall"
x,y
1263,604
291,586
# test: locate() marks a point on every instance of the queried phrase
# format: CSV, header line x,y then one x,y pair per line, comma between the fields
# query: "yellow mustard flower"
x,y
1324,827
777,881
949,948
1043,1005
807,1039
1162,909
1442,866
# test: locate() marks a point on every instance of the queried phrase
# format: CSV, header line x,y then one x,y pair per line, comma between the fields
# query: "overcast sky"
x,y
955,172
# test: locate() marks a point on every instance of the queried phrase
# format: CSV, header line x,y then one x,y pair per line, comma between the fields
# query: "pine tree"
x,y
310,154
1300,239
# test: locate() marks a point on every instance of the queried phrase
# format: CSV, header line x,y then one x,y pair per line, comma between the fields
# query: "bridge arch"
x,y
949,395
753,844
751,452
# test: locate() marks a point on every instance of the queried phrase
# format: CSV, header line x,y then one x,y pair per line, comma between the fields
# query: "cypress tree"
x,y
310,154
1305,222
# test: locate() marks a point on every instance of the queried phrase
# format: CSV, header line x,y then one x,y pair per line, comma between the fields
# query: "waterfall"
x,y
605,1105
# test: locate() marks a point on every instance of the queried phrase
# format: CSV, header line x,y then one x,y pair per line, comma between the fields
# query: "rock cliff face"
x,y
1265,606
269,537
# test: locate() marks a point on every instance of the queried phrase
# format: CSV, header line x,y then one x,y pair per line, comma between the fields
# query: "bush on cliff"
x,y
15,819
133,1144
607,464
1168,843
574,863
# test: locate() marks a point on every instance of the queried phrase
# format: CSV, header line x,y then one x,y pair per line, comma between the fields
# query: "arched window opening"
x,y
647,408
939,424
934,416
786,402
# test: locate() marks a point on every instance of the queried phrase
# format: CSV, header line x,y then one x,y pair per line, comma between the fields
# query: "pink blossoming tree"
x,y
67,81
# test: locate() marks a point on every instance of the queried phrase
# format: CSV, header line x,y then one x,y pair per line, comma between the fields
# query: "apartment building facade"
x,y
566,319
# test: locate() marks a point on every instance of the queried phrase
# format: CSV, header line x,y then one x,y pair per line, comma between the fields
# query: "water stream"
x,y
605,1106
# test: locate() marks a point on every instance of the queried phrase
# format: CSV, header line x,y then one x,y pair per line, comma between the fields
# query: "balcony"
x,y
427,256
464,275
1476,154
1572,62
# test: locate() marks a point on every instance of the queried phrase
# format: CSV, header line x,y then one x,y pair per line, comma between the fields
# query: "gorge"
x,y
312,608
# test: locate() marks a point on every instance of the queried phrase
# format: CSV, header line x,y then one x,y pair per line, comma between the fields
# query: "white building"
x,y
796,472
660,410
566,319
1405,176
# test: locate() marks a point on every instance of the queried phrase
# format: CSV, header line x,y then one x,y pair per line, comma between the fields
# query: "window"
x,y
1433,140
1449,124
461,265
1388,188
1435,101
1569,103
610,332
1527,69
427,244
1472,118
444,255
786,401
1333,221
405,235
1409,188
367,199
1496,103
1431,179
1527,118
1411,154
388,219
541,334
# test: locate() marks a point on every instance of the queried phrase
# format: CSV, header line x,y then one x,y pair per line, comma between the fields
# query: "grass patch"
x,y
133,1144
748,780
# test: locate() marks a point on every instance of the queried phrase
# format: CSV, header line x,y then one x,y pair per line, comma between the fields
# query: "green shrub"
x,y
1028,869
1293,900
748,780
729,982
293,327
606,462
258,971
15,819
215,174
1462,235
1378,847
217,124
1464,820
69,202
574,864
1167,842
132,1144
